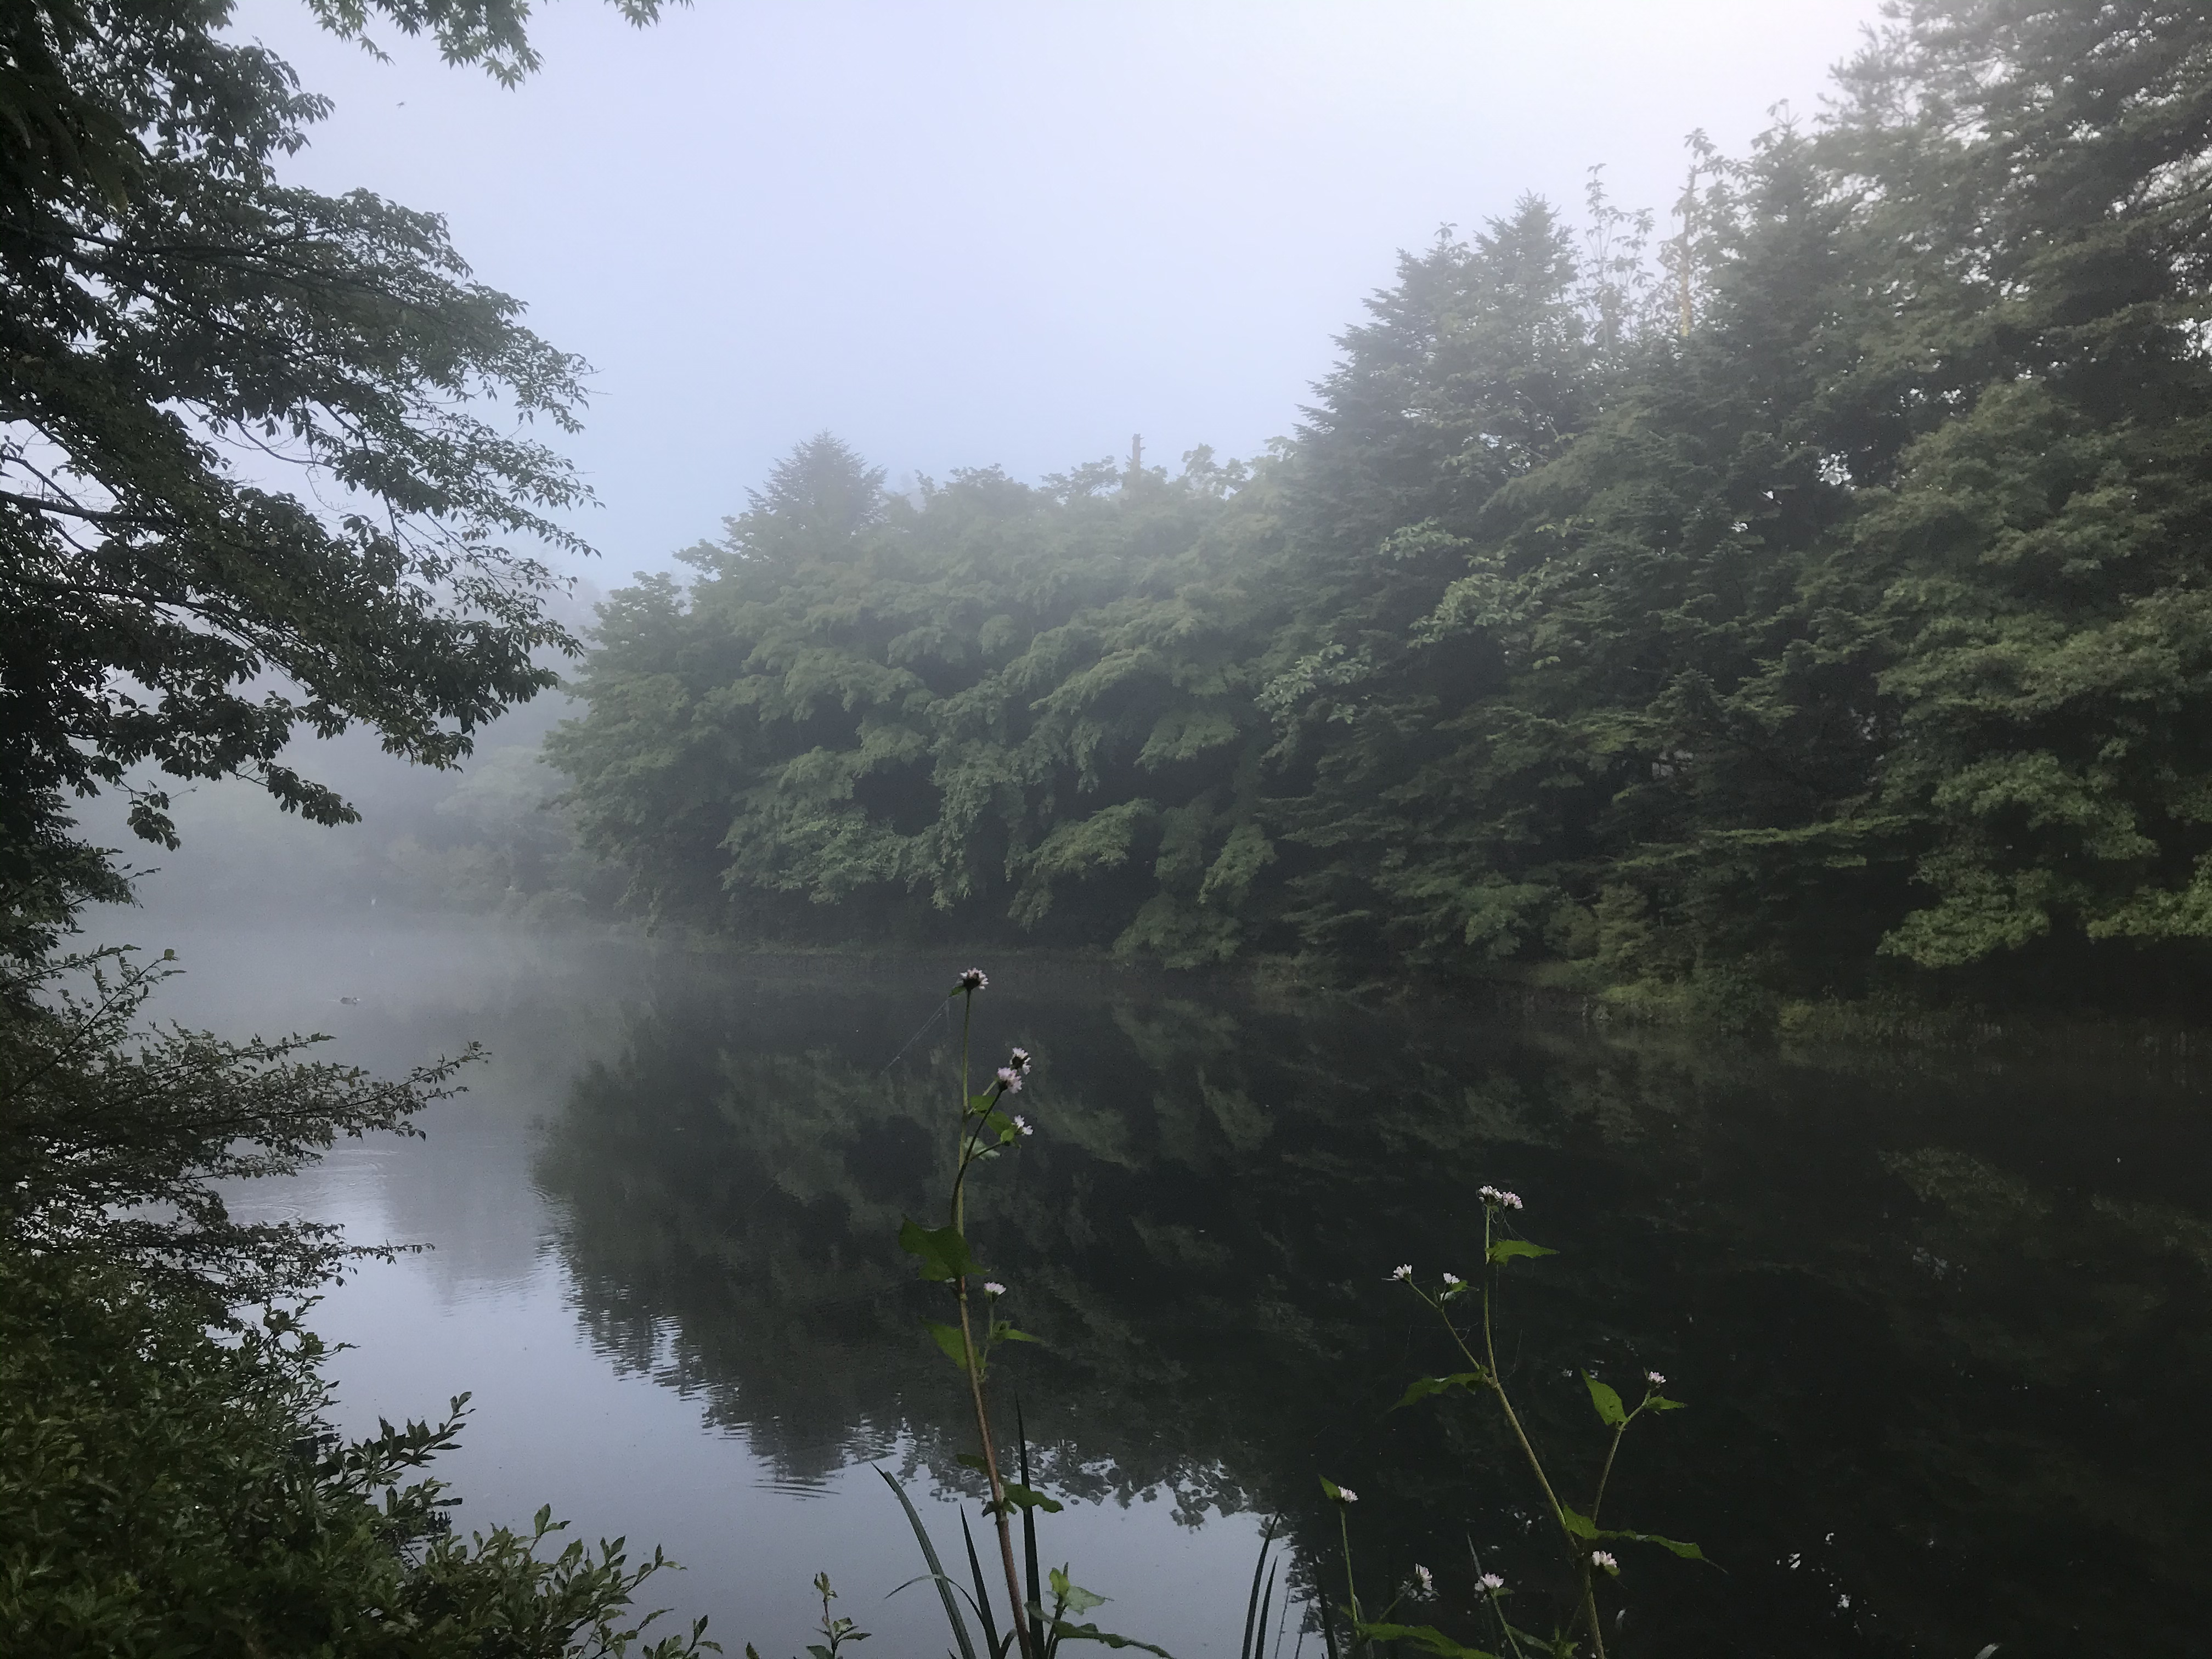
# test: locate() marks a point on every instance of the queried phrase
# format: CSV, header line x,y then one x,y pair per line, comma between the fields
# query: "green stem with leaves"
x,y
1486,1367
1351,1590
968,1149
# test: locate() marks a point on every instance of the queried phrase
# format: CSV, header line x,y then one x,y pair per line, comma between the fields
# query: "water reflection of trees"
x,y
1940,1343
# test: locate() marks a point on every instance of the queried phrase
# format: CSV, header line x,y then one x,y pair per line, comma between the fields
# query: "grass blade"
x,y
982,1595
1029,1515
936,1567
1252,1604
1260,1650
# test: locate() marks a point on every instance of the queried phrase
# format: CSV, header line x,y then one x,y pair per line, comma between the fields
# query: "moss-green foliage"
x,y
1858,632
1016,702
165,1490
162,1492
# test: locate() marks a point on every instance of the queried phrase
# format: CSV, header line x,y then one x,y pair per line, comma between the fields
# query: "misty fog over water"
x,y
661,1261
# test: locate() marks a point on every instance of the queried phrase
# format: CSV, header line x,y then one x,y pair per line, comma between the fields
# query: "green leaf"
x,y
1580,1526
1002,1332
1072,1595
1064,1632
970,1461
1609,1408
1019,1497
1659,1402
945,1586
1507,1249
942,1250
1427,1637
948,1337
1422,1386
1687,1552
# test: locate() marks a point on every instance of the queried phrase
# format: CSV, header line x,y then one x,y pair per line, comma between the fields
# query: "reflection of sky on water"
x,y
491,1311
1941,1320
619,1456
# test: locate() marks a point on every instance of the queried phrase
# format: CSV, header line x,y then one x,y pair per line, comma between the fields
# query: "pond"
x,y
1940,1319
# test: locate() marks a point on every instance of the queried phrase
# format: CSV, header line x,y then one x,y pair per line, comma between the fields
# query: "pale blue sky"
x,y
979,231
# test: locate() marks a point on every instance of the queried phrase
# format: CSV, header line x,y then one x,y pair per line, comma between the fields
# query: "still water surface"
x,y
1941,1321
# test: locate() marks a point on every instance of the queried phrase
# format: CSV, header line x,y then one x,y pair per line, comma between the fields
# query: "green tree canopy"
x,y
1850,624
186,341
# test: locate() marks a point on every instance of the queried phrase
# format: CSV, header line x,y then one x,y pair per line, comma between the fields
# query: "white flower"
x,y
1603,1561
1403,1271
1451,1278
1489,1194
1511,1201
1346,1495
1024,1124
992,1287
1010,1080
975,980
1489,1583
1021,1060
1655,1379
1428,1579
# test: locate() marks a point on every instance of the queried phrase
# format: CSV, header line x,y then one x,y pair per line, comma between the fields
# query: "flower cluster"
x,y
1489,1583
1503,1201
1404,1270
974,980
1655,1379
1012,1075
1604,1561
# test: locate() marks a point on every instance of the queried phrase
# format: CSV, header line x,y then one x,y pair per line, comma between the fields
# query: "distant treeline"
x,y
1809,591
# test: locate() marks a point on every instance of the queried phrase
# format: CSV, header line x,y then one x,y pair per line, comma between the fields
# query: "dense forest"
x,y
1804,596
1812,598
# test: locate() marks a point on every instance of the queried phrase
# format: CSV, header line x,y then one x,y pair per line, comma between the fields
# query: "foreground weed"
x,y
1041,1614
1580,1536
1037,1622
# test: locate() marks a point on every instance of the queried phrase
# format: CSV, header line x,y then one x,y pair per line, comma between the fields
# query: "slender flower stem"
x,y
1351,1590
1490,1589
998,1481
965,1152
1619,1430
960,1141
1578,1556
